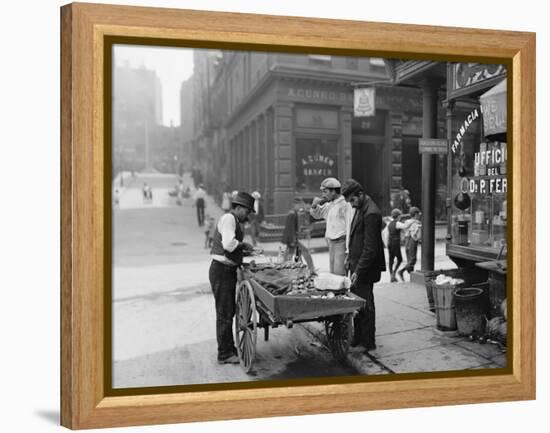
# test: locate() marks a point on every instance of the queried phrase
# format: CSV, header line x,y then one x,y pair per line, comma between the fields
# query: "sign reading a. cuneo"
x,y
433,145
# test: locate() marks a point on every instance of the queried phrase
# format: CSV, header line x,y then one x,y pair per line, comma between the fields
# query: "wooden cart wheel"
x,y
339,332
246,324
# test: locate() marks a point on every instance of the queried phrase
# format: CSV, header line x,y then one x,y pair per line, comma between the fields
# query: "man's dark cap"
x,y
351,187
414,210
244,199
395,213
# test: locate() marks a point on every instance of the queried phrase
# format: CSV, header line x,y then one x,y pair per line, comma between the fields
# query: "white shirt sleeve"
x,y
405,225
227,228
320,212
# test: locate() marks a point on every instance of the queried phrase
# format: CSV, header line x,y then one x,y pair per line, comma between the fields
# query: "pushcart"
x,y
258,307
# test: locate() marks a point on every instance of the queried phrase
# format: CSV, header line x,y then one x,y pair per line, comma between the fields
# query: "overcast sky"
x,y
172,65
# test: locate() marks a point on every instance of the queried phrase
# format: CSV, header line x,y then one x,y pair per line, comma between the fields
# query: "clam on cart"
x,y
271,295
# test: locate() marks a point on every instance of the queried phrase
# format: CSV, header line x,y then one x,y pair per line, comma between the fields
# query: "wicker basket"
x,y
445,312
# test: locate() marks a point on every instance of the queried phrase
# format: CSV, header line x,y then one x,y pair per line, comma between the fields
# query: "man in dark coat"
x,y
365,259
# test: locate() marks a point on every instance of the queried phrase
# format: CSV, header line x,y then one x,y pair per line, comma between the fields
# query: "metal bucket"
x,y
470,309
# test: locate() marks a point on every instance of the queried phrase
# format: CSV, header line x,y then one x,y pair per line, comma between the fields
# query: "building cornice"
x,y
312,76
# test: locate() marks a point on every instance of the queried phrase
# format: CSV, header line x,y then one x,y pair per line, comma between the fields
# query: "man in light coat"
x,y
336,212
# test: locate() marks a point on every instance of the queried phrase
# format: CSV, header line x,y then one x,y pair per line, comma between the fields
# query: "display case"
x,y
479,208
483,223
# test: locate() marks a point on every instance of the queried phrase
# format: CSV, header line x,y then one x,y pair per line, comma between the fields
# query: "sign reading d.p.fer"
x,y
432,145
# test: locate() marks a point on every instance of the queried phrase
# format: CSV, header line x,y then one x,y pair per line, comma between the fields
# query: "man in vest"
x,y
227,253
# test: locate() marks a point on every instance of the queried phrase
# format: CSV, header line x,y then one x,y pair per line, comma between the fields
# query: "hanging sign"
x,y
364,102
433,145
465,75
463,128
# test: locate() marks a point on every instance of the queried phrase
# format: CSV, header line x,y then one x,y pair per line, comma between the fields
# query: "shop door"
x,y
367,168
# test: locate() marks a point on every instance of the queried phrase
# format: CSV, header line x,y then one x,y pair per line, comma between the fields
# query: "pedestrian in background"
x,y
290,238
332,207
179,192
413,236
227,253
401,200
147,193
256,218
226,201
365,260
406,203
209,229
200,204
394,243
117,198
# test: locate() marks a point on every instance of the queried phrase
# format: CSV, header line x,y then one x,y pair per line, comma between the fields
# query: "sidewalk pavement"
x,y
408,340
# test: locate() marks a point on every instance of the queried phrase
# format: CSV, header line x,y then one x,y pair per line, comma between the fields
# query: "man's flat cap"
x,y
330,183
351,187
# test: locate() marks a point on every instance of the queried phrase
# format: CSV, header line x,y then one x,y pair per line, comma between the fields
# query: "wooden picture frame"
x,y
84,403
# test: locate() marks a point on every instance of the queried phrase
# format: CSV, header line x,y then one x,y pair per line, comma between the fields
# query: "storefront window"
x,y
316,159
479,193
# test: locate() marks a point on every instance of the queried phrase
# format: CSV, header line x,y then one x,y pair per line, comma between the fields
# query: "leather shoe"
x,y
233,359
370,347
400,273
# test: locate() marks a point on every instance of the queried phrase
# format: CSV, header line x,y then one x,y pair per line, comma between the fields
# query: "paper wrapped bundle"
x,y
329,282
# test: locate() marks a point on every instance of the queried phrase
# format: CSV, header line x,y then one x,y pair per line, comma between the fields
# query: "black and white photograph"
x,y
292,216
107,283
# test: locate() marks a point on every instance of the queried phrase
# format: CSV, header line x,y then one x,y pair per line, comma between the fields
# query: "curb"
x,y
364,364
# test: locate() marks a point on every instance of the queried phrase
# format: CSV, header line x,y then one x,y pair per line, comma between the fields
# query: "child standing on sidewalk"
x,y
394,243
413,236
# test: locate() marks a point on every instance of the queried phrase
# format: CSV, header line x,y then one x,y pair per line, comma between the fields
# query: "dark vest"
x,y
217,248
394,234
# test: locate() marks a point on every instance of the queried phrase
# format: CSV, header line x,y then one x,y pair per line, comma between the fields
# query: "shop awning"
x,y
494,107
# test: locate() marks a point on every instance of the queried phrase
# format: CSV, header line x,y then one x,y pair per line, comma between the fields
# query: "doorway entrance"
x,y
412,169
368,168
